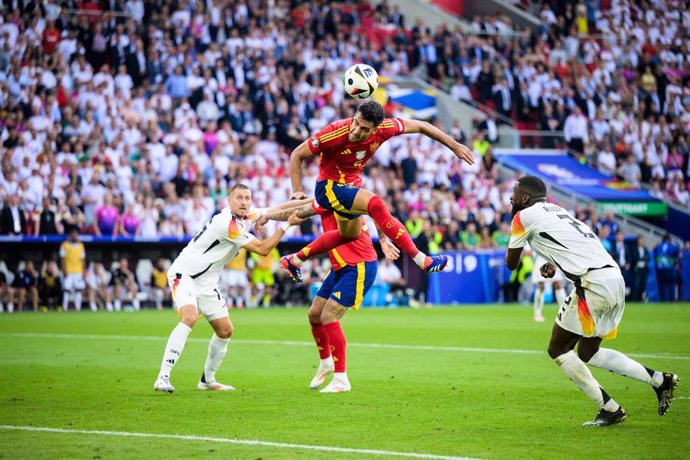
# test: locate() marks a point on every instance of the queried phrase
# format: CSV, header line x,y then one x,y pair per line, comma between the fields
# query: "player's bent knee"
x,y
556,350
225,332
188,320
314,315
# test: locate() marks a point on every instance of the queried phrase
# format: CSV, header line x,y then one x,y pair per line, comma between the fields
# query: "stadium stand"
x,y
132,118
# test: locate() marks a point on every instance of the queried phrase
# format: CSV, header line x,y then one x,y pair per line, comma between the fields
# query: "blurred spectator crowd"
x,y
132,118
608,78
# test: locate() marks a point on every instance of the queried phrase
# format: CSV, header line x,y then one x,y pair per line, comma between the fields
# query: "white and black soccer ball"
x,y
360,81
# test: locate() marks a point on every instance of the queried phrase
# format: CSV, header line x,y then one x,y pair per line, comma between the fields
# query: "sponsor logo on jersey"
x,y
374,146
360,154
346,152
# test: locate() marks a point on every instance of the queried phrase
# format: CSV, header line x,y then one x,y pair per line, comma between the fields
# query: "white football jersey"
x,y
218,242
559,238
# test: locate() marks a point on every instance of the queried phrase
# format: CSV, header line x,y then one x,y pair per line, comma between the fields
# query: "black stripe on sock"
x,y
605,395
649,371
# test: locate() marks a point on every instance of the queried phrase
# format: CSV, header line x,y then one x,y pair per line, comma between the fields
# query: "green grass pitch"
x,y
459,381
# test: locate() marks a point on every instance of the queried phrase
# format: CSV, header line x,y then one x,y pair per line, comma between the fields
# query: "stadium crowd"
x,y
132,118
612,76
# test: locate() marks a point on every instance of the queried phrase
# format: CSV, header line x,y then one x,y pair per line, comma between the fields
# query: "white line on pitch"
x,y
388,346
246,442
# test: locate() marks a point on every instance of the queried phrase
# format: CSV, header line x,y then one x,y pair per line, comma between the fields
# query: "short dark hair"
x,y
533,185
372,111
239,187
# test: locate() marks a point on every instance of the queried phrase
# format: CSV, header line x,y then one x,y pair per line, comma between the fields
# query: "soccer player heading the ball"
x,y
590,313
193,279
344,148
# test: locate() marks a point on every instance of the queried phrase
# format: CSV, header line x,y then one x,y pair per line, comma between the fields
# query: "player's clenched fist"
x,y
547,270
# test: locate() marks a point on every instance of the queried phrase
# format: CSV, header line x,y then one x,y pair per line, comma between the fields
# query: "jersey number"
x,y
578,225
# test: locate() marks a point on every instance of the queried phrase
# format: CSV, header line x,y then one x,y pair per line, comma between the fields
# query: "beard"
x,y
515,209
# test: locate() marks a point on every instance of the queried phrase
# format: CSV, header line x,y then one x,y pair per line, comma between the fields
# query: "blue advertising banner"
x,y
568,173
471,277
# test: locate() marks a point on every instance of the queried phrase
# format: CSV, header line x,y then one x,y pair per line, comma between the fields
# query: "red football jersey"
x,y
359,250
343,161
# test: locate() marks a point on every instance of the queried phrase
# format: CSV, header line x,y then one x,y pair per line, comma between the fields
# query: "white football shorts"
x,y
595,307
74,282
208,301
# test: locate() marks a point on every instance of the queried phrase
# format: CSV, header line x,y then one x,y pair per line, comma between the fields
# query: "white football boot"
x,y
213,386
163,384
325,369
339,384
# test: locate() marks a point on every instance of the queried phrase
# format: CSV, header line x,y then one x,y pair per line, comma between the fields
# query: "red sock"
x,y
338,345
318,330
391,227
324,243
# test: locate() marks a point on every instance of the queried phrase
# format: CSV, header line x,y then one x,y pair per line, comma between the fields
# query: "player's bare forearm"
x,y
264,247
513,258
436,134
297,156
461,151
304,211
382,236
289,205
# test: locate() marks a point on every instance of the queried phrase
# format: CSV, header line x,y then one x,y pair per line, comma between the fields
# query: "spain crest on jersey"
x,y
374,145
360,154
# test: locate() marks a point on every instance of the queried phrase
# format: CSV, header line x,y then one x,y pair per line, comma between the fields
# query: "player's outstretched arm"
x,y
300,154
290,206
302,212
265,246
416,126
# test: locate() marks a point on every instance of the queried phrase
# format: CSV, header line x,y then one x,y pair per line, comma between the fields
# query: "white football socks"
x,y
77,300
538,303
617,362
578,372
217,349
174,347
65,300
419,259
341,377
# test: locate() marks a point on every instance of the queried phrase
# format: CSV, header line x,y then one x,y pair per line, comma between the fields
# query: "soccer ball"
x,y
360,81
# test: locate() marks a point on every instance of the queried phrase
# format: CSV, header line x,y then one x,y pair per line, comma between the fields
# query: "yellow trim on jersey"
x,y
612,334
338,258
332,199
359,288
332,135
